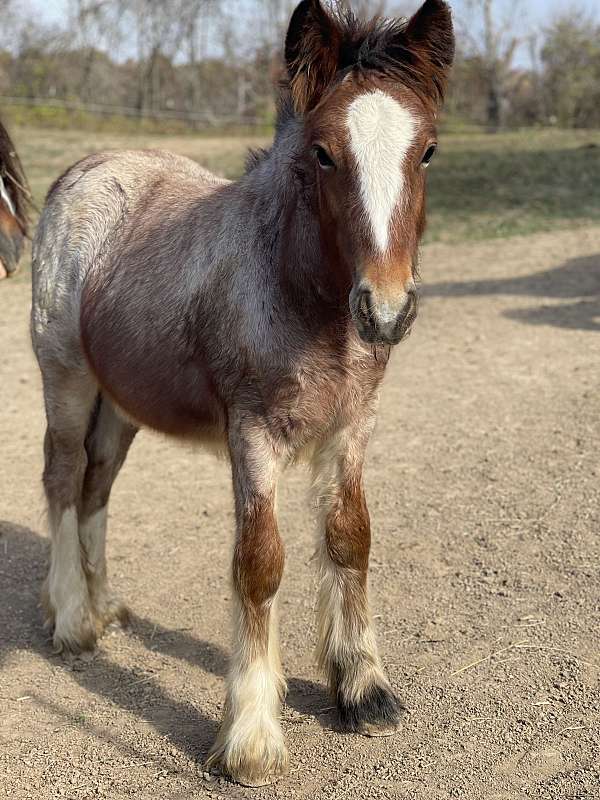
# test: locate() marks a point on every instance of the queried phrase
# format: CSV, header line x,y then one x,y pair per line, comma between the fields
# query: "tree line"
x,y
214,61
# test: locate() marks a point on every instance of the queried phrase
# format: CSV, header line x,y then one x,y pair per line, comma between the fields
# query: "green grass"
x,y
481,186
484,186
51,117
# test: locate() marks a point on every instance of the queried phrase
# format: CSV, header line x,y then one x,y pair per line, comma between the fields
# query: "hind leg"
x,y
69,399
107,444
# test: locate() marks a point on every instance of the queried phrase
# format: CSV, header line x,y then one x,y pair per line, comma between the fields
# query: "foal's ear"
x,y
429,38
312,48
431,28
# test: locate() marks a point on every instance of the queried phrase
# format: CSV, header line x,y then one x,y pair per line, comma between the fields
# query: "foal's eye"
x,y
323,157
429,153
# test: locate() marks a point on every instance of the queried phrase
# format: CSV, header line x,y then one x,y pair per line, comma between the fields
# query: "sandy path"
x,y
484,487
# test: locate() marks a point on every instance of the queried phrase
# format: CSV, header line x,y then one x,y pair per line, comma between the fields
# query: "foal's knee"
x,y
348,530
257,571
258,564
64,469
97,485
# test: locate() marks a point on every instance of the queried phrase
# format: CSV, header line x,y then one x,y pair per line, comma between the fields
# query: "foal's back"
x,y
103,200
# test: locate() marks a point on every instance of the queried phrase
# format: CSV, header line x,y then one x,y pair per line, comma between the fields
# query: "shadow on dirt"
x,y
577,280
23,563
304,696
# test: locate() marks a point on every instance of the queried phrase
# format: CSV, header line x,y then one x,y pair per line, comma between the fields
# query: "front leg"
x,y
250,746
347,650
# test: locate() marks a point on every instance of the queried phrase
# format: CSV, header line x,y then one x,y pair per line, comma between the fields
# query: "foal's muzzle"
x,y
381,322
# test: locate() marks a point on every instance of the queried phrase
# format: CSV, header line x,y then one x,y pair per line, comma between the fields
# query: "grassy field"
x,y
481,186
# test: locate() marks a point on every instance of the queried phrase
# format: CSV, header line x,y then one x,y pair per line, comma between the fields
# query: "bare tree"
x,y
96,26
162,31
9,24
570,58
489,33
220,59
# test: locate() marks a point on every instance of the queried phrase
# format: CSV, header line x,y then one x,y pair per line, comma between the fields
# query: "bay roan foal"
x,y
257,314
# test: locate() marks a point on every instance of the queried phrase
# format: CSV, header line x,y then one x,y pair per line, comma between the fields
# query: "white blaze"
x,y
4,195
381,133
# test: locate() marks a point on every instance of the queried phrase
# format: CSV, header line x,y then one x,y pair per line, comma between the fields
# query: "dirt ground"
x,y
484,487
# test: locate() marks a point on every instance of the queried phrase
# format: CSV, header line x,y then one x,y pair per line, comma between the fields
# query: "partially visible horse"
x,y
256,316
14,199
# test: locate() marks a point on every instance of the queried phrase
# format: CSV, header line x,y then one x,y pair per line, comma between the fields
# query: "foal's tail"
x,y
15,189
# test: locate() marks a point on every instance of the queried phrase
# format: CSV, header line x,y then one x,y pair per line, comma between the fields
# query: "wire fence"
x,y
206,118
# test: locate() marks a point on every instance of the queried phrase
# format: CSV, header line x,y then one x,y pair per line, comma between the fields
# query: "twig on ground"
x,y
486,658
573,728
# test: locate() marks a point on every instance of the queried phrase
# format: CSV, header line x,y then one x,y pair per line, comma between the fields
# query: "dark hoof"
x,y
377,713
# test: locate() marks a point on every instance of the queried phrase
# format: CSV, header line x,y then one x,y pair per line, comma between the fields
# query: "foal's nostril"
x,y
365,306
409,312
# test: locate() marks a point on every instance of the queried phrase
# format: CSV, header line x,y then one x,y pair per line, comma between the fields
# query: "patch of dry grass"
x,y
480,186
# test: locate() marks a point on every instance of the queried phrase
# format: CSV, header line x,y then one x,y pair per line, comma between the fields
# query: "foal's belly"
x,y
179,402
185,407
140,364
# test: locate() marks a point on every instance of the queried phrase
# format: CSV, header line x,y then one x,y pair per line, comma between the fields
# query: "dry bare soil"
x,y
484,486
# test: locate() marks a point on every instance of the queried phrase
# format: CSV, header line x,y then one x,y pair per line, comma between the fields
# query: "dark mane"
x,y
254,157
15,182
284,112
376,46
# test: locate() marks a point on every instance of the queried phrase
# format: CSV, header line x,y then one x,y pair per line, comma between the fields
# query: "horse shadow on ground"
x,y
577,280
24,558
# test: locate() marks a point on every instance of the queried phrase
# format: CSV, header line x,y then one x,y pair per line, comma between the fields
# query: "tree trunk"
x,y
494,105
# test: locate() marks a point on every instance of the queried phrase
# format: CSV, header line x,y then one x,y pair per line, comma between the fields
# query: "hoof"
x,y
259,761
108,610
76,631
75,636
377,713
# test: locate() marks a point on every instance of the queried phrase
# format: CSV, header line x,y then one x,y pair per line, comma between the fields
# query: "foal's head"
x,y
368,94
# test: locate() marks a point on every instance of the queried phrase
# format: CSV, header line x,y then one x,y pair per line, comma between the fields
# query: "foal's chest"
x,y
321,394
